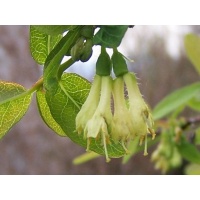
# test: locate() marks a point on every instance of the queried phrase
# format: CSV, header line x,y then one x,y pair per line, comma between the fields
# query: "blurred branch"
x,y
187,122
190,121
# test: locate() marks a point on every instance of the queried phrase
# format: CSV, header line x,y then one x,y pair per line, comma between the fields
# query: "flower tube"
x,y
122,125
90,105
99,124
140,114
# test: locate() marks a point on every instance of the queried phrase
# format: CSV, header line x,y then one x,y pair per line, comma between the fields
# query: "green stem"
x,y
64,66
36,86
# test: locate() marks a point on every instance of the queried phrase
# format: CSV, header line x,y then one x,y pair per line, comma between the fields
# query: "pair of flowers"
x,y
131,118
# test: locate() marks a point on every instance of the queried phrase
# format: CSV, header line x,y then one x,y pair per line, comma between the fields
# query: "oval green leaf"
x,y
46,114
14,102
41,44
65,103
175,100
54,29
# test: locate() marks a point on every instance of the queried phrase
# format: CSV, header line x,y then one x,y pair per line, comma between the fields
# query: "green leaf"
x,y
46,114
54,29
14,102
110,36
54,59
65,103
189,151
175,100
41,44
194,103
192,47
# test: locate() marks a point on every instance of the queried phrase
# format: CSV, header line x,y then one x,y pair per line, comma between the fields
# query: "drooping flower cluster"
x,y
129,120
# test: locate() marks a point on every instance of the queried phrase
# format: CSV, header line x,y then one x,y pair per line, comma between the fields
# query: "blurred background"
x,y
31,147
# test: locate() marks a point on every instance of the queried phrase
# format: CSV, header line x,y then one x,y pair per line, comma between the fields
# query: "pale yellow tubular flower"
x,y
122,123
140,114
99,124
90,105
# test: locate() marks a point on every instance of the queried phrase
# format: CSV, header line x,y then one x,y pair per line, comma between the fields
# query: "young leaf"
x,y
192,47
65,102
189,151
175,100
46,115
53,61
110,36
54,29
41,44
14,102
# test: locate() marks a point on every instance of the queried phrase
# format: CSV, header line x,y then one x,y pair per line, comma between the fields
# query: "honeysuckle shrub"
x,y
108,116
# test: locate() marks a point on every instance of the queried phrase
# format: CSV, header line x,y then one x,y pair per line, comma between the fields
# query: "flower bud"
x,y
87,50
87,31
77,50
